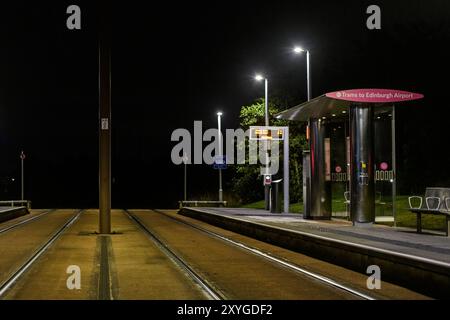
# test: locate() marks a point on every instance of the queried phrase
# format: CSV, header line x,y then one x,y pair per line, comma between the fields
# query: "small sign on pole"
x,y
220,162
105,124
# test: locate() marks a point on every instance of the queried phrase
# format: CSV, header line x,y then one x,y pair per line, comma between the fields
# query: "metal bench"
x,y
436,201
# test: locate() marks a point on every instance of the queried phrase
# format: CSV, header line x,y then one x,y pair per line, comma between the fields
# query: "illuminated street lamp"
x,y
299,50
307,196
259,77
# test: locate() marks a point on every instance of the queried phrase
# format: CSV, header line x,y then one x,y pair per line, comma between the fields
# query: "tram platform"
x,y
418,261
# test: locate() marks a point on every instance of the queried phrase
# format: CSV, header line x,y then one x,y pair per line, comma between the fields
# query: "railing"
x,y
12,203
201,202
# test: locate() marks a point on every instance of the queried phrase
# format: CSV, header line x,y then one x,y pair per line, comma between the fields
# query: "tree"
x,y
247,181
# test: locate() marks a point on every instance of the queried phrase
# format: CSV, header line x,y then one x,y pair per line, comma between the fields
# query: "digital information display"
x,y
267,133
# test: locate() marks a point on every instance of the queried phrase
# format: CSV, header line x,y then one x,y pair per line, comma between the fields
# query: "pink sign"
x,y
384,166
374,95
338,169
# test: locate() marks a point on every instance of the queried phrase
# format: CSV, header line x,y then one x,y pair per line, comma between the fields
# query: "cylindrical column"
x,y
320,205
362,182
105,120
275,197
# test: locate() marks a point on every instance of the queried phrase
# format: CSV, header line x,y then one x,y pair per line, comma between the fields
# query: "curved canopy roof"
x,y
335,104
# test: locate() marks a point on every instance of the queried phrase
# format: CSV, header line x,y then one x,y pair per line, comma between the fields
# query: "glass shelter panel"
x,y
339,145
384,168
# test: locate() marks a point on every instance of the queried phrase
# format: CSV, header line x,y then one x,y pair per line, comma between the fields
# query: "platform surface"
x,y
398,240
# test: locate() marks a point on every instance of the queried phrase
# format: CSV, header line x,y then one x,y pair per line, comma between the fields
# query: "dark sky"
x,y
176,62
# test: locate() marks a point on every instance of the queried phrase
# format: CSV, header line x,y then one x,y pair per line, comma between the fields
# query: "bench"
x,y
436,201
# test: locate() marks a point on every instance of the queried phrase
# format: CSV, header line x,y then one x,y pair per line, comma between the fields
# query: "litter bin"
x,y
275,196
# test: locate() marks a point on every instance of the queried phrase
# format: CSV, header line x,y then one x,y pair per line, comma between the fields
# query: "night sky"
x,y
173,63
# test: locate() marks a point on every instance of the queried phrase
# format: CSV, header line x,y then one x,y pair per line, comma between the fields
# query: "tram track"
x,y
12,279
25,221
275,260
207,289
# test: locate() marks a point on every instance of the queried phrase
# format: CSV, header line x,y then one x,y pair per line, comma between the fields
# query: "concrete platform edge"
x,y
13,213
423,275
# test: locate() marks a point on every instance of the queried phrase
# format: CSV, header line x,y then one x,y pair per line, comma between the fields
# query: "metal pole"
x,y
22,178
266,101
185,183
307,175
104,121
308,75
266,112
286,170
394,168
185,160
220,155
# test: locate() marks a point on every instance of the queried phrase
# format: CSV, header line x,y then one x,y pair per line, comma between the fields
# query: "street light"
x,y
185,161
307,196
219,115
259,77
299,50
22,158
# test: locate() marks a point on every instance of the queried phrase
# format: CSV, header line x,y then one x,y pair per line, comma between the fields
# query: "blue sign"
x,y
220,162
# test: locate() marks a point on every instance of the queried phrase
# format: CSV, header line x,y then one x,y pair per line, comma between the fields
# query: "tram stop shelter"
x,y
352,148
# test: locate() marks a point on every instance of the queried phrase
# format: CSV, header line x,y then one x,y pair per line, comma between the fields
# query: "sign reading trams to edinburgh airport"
x,y
374,95
266,133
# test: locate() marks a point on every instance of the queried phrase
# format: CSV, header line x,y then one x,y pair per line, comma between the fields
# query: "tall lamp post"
x,y
219,129
22,187
259,77
185,161
299,50
306,154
